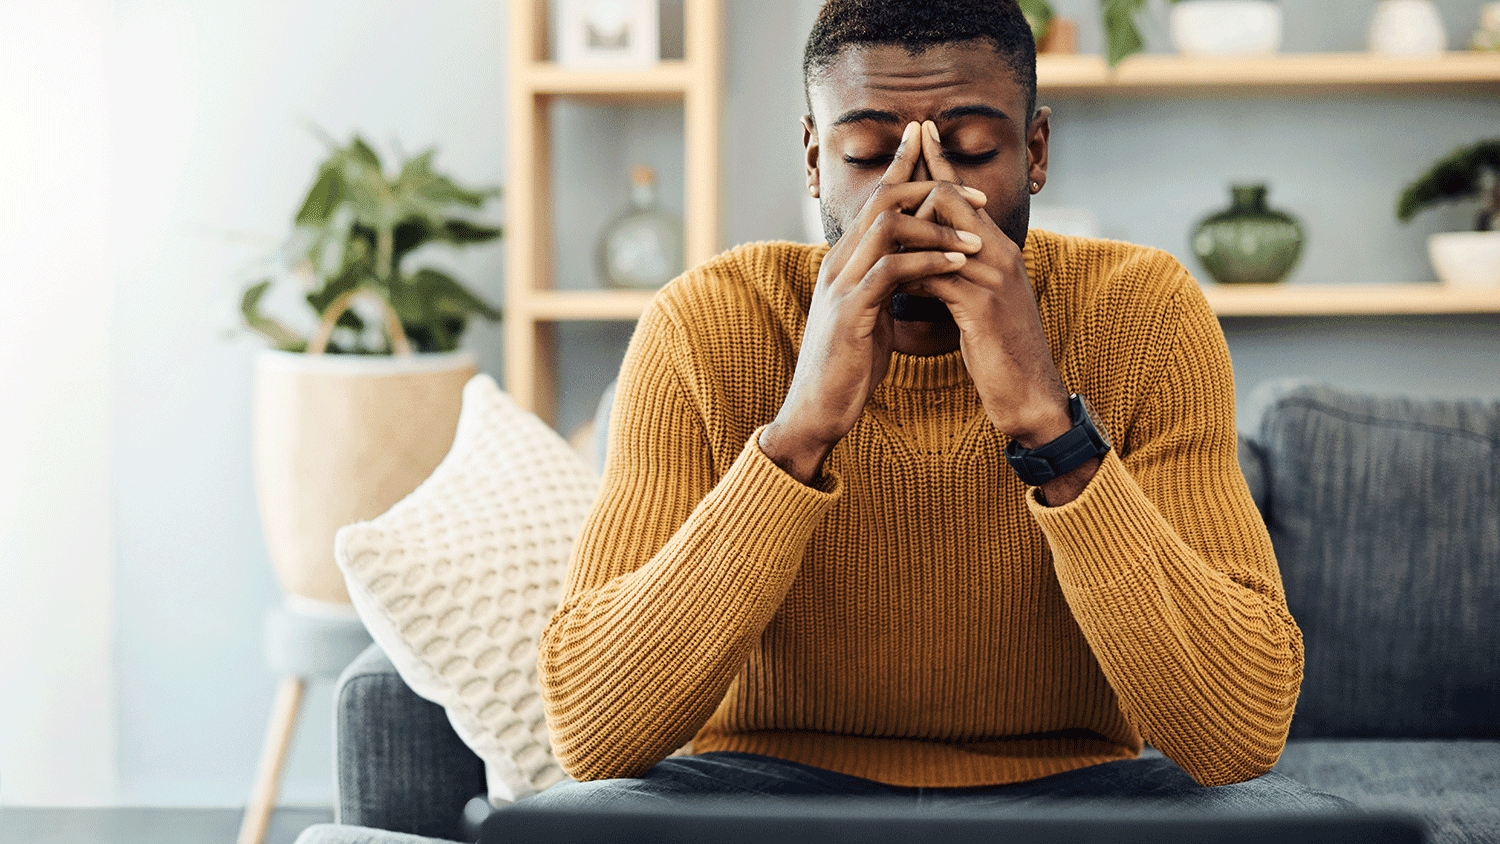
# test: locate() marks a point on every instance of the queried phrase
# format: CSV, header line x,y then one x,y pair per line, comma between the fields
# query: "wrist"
x,y
1078,448
795,453
1037,423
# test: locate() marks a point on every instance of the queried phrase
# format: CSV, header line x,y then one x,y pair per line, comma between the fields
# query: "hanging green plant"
x,y
1460,174
355,229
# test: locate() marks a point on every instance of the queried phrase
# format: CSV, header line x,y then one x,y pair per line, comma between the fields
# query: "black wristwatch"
x,y
1082,443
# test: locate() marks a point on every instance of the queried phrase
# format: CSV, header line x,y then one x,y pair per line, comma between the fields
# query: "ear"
x,y
810,153
1037,136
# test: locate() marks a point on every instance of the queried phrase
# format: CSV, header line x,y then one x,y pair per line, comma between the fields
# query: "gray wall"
x,y
206,145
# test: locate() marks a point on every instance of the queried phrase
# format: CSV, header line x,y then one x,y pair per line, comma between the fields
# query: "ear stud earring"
x,y
812,189
1036,187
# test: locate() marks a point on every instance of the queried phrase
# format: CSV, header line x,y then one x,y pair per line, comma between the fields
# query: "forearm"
x,y
1206,666
632,667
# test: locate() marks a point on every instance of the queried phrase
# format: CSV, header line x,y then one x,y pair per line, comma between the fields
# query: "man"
x,y
811,557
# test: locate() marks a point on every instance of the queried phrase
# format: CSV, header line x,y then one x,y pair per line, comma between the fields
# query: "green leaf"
x,y
1039,14
1457,175
446,296
1121,36
326,193
274,330
463,231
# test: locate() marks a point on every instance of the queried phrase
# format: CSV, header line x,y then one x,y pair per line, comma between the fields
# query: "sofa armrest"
x,y
400,765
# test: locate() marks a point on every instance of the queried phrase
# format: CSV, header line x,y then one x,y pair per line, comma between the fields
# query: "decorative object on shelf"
x,y
1487,36
1465,258
642,247
615,34
1407,28
1039,13
1248,243
1226,27
1061,38
1054,35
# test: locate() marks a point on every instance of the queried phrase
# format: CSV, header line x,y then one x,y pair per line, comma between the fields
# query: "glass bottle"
x,y
1248,243
642,247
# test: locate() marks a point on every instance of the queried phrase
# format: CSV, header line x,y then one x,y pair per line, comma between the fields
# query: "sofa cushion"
x,y
1385,514
1453,785
457,581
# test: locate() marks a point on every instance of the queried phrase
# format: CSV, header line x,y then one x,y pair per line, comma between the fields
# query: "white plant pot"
x,y
1226,27
1466,259
1407,28
340,439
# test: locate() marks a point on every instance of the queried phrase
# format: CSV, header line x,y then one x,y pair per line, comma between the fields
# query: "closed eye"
x,y
877,161
963,160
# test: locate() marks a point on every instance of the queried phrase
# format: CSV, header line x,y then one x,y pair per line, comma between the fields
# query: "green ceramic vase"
x,y
1248,243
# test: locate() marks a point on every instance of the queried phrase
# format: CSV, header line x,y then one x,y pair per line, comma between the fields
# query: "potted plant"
x,y
1462,258
357,406
1198,27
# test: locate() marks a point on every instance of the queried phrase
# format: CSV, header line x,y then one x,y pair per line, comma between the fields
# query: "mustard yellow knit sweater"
x,y
921,619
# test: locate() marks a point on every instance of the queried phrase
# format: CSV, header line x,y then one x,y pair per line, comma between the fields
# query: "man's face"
x,y
864,100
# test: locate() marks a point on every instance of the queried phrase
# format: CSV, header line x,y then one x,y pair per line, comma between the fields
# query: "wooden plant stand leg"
x,y
272,757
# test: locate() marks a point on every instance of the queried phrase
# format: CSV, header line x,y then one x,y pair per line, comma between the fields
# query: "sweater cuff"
x,y
1109,529
785,509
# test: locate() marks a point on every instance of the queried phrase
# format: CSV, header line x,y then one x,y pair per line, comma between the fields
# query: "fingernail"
x,y
970,238
931,129
956,257
975,192
906,135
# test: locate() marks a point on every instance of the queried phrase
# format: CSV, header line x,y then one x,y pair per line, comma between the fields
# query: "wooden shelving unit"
x,y
532,306
1277,300
1347,72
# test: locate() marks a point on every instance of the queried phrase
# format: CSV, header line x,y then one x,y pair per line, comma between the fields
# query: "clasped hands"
x,y
926,238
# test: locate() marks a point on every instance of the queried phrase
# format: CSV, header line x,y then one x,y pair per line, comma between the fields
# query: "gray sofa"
x,y
1385,513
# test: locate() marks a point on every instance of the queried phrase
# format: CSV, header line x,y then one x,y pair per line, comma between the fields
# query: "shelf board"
x,y
1165,74
1277,300
583,305
666,81
1248,300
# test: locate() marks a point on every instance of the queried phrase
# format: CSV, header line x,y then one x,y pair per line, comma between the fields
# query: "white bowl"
x,y
1466,259
1226,27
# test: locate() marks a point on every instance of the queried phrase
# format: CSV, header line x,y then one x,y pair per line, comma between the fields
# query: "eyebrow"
x,y
873,115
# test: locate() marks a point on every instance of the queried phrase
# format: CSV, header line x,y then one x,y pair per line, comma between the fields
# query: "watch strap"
x,y
1080,444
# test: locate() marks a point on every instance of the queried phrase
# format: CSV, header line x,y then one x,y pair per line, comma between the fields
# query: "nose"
x,y
920,173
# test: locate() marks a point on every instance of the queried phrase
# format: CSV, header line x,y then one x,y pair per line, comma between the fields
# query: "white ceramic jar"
x,y
1407,28
1466,259
1226,27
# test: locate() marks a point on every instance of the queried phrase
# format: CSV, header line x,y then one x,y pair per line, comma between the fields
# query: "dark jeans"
x,y
1151,781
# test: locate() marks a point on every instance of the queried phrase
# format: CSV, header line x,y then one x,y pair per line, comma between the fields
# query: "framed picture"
x,y
608,33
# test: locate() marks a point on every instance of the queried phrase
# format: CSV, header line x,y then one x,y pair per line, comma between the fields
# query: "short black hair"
x,y
919,24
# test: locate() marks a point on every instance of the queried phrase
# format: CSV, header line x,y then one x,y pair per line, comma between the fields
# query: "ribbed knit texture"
x,y
919,618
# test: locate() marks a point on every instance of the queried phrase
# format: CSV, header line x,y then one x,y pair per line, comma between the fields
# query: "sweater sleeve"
x,y
674,577
1169,572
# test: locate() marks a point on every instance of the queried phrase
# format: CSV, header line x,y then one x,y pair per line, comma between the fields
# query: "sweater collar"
x,y
935,372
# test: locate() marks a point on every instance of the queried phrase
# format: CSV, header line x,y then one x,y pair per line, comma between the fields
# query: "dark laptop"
x,y
854,820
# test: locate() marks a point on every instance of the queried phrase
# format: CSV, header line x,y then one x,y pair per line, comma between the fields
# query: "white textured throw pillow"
x,y
458,579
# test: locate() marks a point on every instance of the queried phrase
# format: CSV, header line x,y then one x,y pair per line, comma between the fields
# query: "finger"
x,y
932,152
929,209
906,198
949,205
901,270
904,163
893,232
